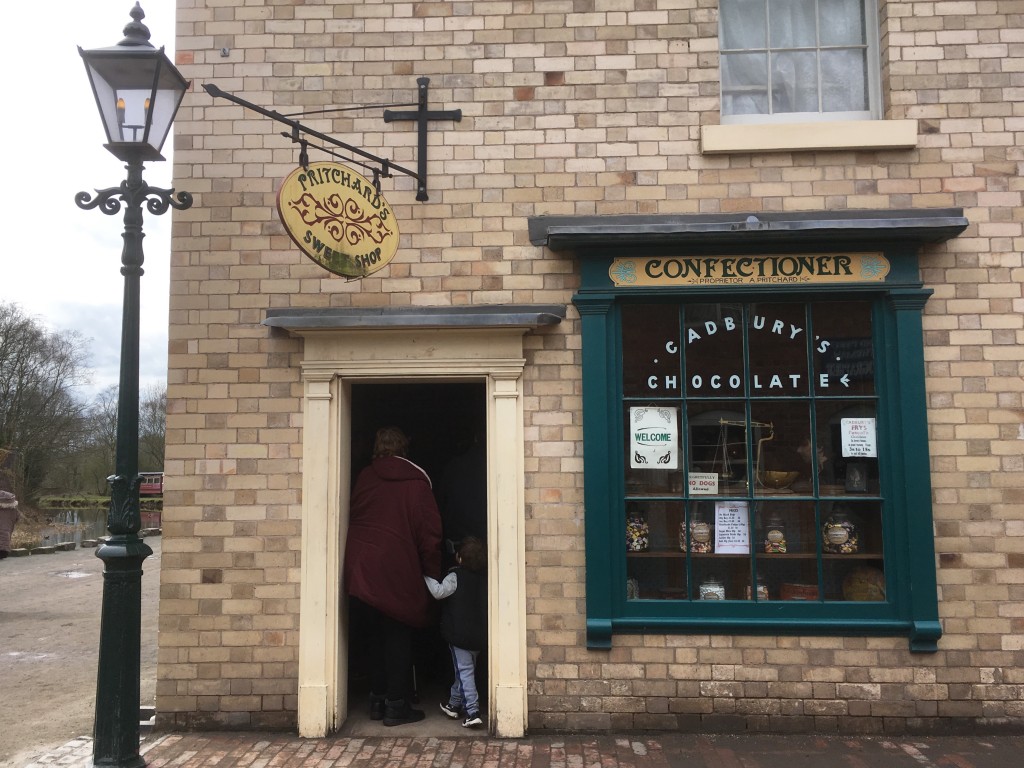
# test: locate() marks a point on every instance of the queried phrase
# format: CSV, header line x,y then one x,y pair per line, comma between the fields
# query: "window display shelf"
x,y
760,556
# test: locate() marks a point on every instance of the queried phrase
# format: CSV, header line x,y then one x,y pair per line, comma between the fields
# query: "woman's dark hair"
x,y
473,554
390,441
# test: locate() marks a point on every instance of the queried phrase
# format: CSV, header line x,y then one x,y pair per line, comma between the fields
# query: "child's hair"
x,y
472,554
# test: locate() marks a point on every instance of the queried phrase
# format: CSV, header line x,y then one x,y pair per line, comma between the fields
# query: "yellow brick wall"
x,y
574,107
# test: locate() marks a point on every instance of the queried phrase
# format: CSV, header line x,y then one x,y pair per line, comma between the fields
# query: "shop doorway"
x,y
336,362
446,424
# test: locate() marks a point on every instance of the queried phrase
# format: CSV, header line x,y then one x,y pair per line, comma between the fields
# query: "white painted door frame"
x,y
333,361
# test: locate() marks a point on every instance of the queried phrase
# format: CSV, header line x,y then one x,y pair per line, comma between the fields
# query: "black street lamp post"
x,y
138,91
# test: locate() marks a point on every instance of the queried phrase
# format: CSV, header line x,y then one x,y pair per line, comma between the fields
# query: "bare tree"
x,y
40,419
93,459
152,422
94,456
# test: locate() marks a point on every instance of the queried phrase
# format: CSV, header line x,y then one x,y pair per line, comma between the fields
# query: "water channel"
x,y
78,525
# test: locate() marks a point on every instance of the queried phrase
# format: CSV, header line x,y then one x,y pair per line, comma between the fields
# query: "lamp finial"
x,y
135,32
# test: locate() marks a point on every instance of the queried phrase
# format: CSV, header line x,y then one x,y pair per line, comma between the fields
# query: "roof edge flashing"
x,y
527,316
595,232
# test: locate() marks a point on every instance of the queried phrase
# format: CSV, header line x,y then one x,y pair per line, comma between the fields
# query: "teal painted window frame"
x,y
911,607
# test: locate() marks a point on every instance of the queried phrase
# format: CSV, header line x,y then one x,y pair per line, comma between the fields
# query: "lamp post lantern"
x,y
138,91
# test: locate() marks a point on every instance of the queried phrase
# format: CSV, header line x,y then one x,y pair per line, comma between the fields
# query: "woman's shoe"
x,y
401,712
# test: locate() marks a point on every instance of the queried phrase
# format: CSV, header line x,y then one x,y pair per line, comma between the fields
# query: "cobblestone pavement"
x,y
261,750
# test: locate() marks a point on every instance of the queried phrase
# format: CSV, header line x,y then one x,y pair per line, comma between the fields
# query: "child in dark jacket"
x,y
464,626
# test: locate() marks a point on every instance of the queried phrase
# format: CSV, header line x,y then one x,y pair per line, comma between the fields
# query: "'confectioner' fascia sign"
x,y
339,219
830,268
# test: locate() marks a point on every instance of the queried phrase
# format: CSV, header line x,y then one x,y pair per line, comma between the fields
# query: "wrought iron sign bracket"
x,y
380,166
422,116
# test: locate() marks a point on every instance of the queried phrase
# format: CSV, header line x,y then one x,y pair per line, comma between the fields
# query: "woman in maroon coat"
x,y
394,539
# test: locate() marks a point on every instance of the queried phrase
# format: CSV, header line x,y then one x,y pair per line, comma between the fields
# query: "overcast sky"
x,y
59,263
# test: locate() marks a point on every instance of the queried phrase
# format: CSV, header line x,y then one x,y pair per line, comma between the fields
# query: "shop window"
x,y
751,459
756,463
755,437
798,60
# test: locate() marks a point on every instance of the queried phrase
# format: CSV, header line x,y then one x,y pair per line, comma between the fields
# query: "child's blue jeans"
x,y
464,695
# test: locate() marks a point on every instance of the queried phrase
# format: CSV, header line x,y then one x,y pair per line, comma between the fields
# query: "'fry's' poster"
x,y
858,438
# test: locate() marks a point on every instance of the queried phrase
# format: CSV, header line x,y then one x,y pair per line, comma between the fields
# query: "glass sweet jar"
x,y
632,589
775,535
700,538
762,591
839,533
637,532
712,589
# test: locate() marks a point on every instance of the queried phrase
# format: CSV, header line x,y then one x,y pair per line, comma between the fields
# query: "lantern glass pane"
x,y
124,83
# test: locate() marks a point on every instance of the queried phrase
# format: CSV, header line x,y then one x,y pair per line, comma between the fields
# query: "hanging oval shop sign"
x,y
338,219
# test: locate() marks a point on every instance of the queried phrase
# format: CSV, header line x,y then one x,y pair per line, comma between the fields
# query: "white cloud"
x,y
60,263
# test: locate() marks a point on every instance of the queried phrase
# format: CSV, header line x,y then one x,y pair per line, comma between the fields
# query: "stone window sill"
x,y
795,137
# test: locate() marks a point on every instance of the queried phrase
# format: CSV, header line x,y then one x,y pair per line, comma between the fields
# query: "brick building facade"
x,y
593,131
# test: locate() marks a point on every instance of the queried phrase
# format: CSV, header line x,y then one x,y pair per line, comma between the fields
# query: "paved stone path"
x,y
50,608
261,750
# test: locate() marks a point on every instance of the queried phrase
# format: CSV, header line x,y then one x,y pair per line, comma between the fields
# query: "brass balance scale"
x,y
769,480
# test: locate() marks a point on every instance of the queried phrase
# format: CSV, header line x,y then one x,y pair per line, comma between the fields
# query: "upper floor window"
x,y
798,60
